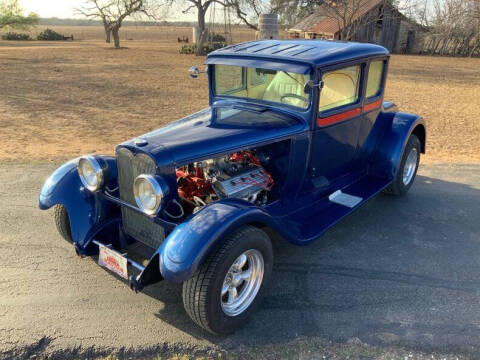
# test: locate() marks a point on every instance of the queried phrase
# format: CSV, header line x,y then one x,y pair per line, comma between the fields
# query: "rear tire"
x,y
209,297
62,222
408,168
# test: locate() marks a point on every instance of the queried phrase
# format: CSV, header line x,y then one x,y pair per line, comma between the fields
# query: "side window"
x,y
340,88
228,79
374,81
256,77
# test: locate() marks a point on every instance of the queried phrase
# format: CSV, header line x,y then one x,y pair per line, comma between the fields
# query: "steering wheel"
x,y
295,96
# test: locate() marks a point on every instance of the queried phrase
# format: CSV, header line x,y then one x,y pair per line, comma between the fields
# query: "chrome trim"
x,y
242,282
194,72
98,172
410,166
120,202
157,189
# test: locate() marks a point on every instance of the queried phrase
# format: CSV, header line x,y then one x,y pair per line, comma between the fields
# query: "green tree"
x,y
12,15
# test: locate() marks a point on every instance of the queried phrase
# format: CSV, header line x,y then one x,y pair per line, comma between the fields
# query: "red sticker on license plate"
x,y
113,261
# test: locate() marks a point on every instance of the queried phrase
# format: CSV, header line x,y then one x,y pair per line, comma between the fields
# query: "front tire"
x,y
231,283
408,168
62,222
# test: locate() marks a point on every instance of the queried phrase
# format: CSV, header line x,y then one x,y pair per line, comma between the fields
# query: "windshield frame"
x,y
277,66
280,115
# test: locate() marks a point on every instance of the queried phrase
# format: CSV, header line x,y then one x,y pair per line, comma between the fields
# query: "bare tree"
x,y
242,8
201,6
455,28
292,11
114,12
108,31
245,8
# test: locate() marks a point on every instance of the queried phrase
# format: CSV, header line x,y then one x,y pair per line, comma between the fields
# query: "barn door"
x,y
410,42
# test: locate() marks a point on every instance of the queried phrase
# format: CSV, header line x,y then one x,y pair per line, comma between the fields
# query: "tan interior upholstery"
x,y
286,83
374,78
339,88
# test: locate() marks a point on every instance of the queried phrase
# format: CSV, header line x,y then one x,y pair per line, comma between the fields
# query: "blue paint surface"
x,y
359,155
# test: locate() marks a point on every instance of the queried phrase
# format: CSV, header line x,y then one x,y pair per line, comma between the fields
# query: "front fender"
x,y
86,212
387,157
188,245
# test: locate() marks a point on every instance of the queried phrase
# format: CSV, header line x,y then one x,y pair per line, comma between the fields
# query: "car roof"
x,y
313,52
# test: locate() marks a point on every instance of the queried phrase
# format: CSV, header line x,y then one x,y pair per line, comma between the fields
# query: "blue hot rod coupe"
x,y
297,136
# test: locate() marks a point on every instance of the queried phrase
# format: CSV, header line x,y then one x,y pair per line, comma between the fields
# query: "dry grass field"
x,y
60,100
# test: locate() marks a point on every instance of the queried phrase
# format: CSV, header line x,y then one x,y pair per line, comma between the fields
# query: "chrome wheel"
x,y
242,282
410,166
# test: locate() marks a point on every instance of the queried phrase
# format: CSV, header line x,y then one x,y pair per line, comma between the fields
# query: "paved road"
x,y
398,271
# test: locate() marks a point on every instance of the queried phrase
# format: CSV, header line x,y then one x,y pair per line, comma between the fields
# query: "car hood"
x,y
198,136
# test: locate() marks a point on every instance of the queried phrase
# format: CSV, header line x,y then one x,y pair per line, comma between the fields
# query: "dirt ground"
x,y
60,100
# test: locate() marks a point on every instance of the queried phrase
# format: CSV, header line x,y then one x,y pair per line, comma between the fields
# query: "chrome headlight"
x,y
91,173
149,193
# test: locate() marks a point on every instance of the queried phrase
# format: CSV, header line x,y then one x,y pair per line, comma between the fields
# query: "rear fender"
x,y
87,212
188,245
397,130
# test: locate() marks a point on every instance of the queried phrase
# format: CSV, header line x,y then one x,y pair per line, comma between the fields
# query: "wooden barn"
x,y
374,21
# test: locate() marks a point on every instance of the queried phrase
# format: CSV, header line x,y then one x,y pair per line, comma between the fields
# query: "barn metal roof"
x,y
309,22
312,52
327,20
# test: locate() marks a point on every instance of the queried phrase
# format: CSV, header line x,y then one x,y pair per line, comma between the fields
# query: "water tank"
x,y
196,34
267,27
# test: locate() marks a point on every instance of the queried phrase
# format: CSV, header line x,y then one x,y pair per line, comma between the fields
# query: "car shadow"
x,y
399,271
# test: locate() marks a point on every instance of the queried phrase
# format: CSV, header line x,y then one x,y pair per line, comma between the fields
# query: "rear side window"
x,y
374,78
340,88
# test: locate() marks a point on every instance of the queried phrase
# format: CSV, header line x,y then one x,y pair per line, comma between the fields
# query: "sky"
x,y
51,8
66,9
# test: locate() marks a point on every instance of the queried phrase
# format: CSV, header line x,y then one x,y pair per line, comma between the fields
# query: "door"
x,y
345,134
368,134
335,147
410,42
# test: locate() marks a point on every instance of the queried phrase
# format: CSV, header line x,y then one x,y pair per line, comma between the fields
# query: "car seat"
x,y
285,83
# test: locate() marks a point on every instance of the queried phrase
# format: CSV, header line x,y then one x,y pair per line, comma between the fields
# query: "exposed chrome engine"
x,y
245,184
239,175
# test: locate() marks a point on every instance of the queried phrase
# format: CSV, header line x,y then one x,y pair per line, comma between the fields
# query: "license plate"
x,y
113,261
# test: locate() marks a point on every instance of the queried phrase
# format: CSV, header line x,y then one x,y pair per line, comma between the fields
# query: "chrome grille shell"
x,y
135,224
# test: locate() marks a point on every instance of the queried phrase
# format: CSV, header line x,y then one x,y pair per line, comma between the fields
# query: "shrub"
x,y
187,49
15,36
207,48
218,38
49,35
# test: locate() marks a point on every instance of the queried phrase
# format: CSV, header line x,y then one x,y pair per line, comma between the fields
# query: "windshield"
x,y
262,84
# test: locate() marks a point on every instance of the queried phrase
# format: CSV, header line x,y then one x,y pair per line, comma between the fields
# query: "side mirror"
x,y
310,84
194,72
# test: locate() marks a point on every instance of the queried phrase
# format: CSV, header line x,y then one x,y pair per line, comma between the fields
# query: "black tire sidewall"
x,y
62,222
219,321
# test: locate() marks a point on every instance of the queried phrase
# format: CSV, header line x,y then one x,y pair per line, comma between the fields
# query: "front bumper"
x,y
110,233
143,275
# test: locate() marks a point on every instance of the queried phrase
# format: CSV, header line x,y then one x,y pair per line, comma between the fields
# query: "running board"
x,y
338,197
310,222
